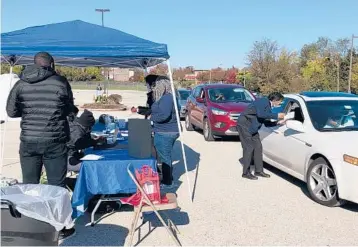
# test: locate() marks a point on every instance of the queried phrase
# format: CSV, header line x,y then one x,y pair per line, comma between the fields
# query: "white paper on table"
x,y
92,157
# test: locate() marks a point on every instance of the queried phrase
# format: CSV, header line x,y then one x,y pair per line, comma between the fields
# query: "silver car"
x,y
182,95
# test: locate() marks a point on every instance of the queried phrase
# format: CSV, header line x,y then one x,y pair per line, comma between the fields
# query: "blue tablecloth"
x,y
106,176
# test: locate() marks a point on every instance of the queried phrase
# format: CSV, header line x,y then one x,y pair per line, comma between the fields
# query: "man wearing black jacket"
x,y
248,124
43,99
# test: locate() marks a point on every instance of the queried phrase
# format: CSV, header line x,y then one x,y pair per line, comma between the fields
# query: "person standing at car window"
x,y
165,126
248,124
43,99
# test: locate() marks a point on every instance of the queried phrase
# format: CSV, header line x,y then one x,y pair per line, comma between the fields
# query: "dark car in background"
x,y
215,108
182,95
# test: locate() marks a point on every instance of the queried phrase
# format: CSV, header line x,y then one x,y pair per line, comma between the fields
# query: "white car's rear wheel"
x,y
322,183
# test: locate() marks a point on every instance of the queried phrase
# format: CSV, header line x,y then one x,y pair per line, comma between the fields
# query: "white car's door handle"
x,y
276,131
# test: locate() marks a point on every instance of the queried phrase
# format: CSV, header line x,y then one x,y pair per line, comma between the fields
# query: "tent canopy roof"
x,y
78,43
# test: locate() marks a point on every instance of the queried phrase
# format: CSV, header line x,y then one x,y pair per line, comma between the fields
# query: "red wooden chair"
x,y
149,199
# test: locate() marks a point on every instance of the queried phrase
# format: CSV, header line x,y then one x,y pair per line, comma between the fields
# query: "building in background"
x,y
193,76
117,74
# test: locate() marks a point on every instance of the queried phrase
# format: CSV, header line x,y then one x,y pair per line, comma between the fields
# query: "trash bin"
x,y
33,214
20,230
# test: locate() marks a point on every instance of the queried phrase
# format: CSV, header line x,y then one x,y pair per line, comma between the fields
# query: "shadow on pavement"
x,y
99,235
177,217
192,159
288,178
221,138
302,185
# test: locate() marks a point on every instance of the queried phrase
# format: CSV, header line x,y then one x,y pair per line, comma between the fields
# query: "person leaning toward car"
x,y
248,125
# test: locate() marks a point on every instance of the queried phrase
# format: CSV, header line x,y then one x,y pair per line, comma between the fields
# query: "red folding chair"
x,y
149,199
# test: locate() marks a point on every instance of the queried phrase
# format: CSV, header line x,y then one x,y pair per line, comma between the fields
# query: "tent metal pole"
x,y
180,130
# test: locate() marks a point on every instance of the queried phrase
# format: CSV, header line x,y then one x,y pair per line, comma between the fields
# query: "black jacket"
x,y
43,100
256,113
80,138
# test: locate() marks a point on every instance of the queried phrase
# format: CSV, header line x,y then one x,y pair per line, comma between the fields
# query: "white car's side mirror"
x,y
295,125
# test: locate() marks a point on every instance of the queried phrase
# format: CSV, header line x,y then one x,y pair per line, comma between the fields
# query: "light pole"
x,y
350,64
102,11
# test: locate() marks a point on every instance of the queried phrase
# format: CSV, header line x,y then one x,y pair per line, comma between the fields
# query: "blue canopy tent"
x,y
81,44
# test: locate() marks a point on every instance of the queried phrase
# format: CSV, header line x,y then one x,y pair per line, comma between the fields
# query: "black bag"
x,y
104,208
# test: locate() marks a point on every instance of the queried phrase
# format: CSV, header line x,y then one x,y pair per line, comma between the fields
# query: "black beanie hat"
x,y
86,119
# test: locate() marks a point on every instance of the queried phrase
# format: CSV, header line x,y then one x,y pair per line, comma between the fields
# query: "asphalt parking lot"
x,y
226,209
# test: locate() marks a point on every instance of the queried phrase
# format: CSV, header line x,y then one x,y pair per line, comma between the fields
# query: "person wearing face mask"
x,y
248,125
150,83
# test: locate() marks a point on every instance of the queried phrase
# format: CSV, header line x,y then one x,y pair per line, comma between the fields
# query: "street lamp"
x,y
102,11
350,65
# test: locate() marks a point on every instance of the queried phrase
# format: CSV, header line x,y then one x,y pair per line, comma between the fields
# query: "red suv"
x,y
214,108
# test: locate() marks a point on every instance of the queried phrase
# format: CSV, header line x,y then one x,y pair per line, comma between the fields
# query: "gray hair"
x,y
162,86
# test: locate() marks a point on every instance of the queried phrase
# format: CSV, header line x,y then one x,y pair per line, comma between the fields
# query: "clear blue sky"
x,y
202,33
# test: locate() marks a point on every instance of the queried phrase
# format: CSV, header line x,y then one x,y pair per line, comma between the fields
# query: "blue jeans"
x,y
163,143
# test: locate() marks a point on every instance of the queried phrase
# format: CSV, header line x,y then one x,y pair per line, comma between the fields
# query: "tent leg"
x,y
3,132
179,127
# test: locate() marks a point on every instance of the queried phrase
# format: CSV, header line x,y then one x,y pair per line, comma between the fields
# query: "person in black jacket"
x,y
248,125
80,137
43,99
150,81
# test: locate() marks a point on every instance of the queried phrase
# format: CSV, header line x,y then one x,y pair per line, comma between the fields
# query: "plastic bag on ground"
x,y
42,202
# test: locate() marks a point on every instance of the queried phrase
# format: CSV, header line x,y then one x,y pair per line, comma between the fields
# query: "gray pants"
x,y
251,148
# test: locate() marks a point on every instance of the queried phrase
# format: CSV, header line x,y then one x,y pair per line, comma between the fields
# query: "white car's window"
x,y
337,115
295,111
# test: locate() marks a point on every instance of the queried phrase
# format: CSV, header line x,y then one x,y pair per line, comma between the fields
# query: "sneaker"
x,y
67,233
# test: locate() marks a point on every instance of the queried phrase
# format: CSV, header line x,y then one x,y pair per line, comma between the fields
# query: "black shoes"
x,y
249,176
67,233
255,177
262,174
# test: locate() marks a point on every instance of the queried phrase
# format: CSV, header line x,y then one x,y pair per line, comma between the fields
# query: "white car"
x,y
319,145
